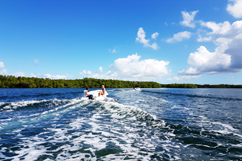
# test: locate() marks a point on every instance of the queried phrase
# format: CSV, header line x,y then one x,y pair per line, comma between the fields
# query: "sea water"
x,y
151,124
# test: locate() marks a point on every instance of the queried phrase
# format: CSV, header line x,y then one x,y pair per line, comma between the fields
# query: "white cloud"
x,y
108,75
179,36
100,69
50,76
85,72
19,74
47,75
154,46
59,76
204,61
188,19
36,61
132,68
227,56
235,8
112,50
4,72
32,75
183,77
1,65
155,35
204,39
189,71
89,72
217,28
141,38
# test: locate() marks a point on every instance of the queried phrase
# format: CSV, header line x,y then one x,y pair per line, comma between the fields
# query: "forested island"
x,y
33,82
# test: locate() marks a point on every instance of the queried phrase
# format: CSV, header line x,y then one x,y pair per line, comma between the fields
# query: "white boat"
x,y
95,95
137,89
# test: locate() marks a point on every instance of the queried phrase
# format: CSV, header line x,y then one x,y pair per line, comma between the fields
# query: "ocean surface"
x,y
151,124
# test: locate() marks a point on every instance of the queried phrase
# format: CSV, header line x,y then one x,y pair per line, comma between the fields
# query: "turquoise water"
x,y
151,124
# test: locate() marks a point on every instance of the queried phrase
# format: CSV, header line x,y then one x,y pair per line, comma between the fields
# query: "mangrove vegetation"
x,y
33,82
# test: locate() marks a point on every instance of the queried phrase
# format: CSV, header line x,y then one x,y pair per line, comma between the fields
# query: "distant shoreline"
x,y
32,82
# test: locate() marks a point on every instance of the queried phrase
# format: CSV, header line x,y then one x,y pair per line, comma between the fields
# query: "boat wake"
x,y
125,126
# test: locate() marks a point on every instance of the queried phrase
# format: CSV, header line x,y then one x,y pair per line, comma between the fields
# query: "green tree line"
x,y
179,85
32,82
218,86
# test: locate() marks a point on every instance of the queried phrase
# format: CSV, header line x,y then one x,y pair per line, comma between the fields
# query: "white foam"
x,y
226,126
19,104
96,137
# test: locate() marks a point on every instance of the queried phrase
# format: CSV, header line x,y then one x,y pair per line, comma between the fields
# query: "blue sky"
x,y
164,41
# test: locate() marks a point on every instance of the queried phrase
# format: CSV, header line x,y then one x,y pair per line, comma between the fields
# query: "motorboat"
x,y
137,89
95,95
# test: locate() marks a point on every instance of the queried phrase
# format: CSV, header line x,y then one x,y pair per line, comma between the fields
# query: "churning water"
x,y
151,124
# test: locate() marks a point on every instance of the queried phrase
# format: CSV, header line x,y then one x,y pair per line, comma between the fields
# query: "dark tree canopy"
x,y
32,82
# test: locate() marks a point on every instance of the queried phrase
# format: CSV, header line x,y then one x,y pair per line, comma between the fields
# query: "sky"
x,y
176,41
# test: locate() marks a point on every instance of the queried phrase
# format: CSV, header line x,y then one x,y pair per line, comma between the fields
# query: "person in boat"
x,y
90,96
102,92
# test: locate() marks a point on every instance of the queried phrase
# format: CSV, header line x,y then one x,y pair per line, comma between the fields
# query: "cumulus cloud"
x,y
4,72
132,68
227,56
89,72
100,69
19,74
108,75
155,35
234,49
50,76
234,8
47,75
203,61
179,36
85,72
141,38
33,75
189,71
176,78
1,65
206,60
188,18
217,28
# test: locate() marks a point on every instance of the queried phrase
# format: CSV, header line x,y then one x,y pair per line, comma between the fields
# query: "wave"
x,y
78,129
40,94
31,104
84,129
194,95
